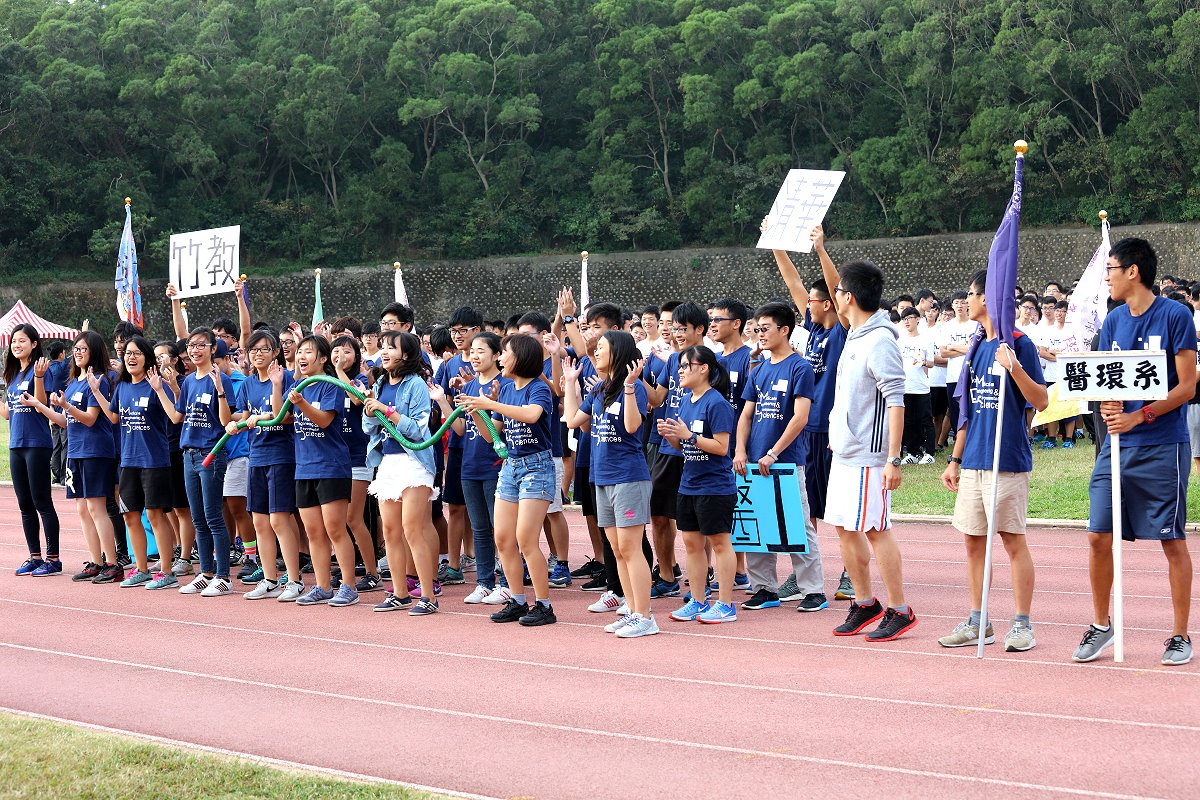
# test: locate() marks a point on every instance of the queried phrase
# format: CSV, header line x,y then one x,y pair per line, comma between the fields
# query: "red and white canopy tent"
x,y
20,314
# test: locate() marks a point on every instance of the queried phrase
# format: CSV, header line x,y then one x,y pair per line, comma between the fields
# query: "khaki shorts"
x,y
974,501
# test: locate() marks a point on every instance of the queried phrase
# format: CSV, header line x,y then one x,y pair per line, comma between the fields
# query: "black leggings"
x,y
30,468
612,576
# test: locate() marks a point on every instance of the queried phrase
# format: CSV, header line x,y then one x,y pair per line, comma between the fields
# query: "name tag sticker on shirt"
x,y
143,402
77,397
733,376
697,426
206,398
614,409
24,385
780,385
1154,343
316,404
997,370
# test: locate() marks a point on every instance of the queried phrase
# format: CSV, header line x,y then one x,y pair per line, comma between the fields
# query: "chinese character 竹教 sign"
x,y
205,262
1113,375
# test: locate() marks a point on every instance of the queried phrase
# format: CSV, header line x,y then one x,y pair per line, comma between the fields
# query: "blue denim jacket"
x,y
412,401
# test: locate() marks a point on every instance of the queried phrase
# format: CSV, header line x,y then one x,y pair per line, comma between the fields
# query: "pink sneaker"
x,y
416,590
412,583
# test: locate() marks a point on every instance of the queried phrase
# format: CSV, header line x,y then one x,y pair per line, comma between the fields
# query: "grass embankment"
x,y
48,760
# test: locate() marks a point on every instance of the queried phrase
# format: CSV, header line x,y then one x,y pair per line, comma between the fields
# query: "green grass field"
x,y
49,760
1057,488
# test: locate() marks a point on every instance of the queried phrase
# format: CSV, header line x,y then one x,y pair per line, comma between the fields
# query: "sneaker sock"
x,y
901,609
520,598
976,617
544,603
1100,628
252,550
870,602
1021,620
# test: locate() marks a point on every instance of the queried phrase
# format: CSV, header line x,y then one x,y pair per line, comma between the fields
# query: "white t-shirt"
x,y
915,351
799,338
1054,338
659,345
954,332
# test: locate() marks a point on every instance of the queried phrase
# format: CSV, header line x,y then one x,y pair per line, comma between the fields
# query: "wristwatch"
x,y
954,460
1148,415
895,462
568,319
771,453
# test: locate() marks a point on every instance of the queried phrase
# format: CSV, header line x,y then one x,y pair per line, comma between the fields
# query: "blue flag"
x,y
129,289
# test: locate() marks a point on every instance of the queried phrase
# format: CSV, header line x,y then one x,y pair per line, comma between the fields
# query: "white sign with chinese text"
x,y
800,206
1113,375
205,262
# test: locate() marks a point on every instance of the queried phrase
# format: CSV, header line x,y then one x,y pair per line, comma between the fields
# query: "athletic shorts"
x,y
1193,423
90,477
585,492
272,489
452,493
856,499
816,470
319,491
237,476
623,505
557,503
666,473
1153,491
937,400
178,484
710,514
146,487
973,502
530,477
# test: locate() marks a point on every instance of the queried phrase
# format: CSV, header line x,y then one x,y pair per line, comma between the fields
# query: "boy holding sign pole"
x,y
1153,453
974,445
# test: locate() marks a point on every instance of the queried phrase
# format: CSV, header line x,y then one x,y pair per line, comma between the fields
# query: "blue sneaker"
x,y
1049,444
1041,437
47,568
561,577
163,580
691,611
346,596
136,578
29,566
315,596
423,607
665,589
741,583
1068,444
720,612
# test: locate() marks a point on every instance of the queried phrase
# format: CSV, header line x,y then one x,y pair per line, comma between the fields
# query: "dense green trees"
x,y
338,131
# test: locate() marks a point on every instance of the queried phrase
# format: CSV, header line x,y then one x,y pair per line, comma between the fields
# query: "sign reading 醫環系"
x,y
1113,375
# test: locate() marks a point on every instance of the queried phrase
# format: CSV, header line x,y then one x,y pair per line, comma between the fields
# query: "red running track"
x,y
770,706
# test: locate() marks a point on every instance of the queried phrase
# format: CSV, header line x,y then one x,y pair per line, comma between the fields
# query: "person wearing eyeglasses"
x,y
866,425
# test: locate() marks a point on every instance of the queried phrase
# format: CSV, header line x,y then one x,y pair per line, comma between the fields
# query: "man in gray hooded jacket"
x,y
866,426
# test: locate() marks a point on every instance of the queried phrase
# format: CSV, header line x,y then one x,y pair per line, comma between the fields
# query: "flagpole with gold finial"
x,y
584,291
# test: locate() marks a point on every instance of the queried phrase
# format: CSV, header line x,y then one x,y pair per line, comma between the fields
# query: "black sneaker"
x,y
109,574
246,573
88,572
538,615
590,568
280,565
124,562
859,618
236,556
597,584
762,599
306,567
813,602
893,626
368,583
511,612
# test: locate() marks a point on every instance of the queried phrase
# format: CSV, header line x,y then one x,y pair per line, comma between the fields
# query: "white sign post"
x,y
800,205
206,262
1114,375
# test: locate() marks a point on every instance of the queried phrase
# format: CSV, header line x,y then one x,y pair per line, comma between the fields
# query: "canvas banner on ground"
x,y
769,516
206,262
801,204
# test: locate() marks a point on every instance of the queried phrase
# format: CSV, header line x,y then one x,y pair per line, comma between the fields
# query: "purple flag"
x,y
1001,284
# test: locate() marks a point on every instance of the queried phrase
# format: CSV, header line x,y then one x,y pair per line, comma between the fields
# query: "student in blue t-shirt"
x,y
91,453
145,481
526,484
612,415
701,429
1154,447
323,473
271,483
480,468
404,480
974,447
778,400
204,406
30,444
169,368
348,368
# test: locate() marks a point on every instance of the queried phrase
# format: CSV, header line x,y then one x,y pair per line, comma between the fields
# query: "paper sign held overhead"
x,y
801,204
206,262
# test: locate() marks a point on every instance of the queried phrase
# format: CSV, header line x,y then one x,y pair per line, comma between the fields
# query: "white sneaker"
x,y
909,459
218,587
480,595
639,626
608,601
466,564
499,596
291,592
621,622
198,585
263,589
624,610
927,459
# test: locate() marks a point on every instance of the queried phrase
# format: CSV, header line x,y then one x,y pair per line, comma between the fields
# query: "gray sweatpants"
x,y
810,575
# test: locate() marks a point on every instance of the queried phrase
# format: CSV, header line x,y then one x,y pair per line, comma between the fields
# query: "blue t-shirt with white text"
x,y
979,448
616,454
321,452
84,441
773,388
27,427
200,407
522,438
145,433
269,444
705,473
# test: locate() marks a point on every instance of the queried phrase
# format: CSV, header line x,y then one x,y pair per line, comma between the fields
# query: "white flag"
x,y
1088,305
583,283
401,292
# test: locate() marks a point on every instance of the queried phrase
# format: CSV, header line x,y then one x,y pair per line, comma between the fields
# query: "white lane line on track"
x,y
1045,591
654,677
622,735
274,762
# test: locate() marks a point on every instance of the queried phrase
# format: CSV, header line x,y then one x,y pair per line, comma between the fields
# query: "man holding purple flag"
x,y
992,459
